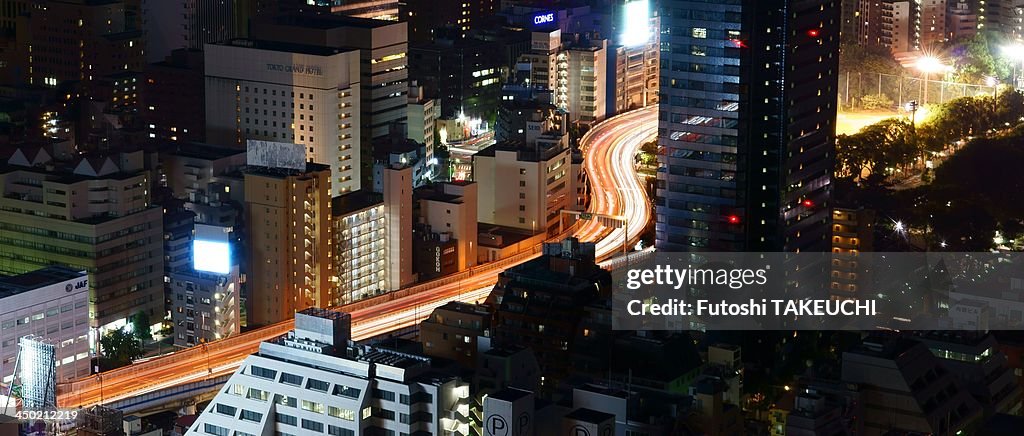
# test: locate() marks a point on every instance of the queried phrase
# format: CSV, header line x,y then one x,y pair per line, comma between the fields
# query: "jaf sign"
x,y
544,18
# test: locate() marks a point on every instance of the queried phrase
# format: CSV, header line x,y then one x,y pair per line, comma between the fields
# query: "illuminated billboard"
x,y
211,250
636,23
544,18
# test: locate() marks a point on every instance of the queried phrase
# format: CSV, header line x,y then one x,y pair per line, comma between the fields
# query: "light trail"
x,y
609,151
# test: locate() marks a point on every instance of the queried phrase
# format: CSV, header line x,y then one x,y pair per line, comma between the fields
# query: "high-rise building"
x,y
52,303
290,249
852,233
381,73
462,75
98,34
386,10
542,303
425,17
396,186
288,92
315,380
422,119
90,213
748,104
172,97
187,24
205,295
585,80
360,246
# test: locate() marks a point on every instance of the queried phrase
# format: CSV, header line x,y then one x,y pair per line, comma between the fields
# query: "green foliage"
x,y
120,347
867,59
887,143
140,326
974,59
876,101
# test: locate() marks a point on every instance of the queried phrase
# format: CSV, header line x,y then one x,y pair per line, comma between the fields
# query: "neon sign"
x,y
544,18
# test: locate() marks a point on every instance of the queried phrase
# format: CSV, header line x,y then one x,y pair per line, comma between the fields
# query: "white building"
x,y
586,78
52,303
315,380
422,117
525,186
360,245
285,92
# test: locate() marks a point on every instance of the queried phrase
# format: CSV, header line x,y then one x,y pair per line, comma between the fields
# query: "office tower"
x,y
747,125
315,380
382,74
360,246
172,100
289,220
173,25
10,10
525,185
425,17
463,75
634,52
288,92
53,303
98,35
92,213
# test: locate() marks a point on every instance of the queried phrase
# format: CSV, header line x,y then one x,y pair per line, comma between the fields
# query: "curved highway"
x,y
609,151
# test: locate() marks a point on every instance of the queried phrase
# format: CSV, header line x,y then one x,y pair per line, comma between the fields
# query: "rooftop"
x,y
589,415
355,201
13,285
329,21
285,47
509,394
199,150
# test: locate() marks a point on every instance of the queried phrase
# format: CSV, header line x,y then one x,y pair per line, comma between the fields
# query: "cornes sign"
x,y
543,18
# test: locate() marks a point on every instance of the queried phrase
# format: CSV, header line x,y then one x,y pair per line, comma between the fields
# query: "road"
x,y
608,154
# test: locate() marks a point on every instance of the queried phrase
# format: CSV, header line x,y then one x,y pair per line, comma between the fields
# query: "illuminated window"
x,y
700,32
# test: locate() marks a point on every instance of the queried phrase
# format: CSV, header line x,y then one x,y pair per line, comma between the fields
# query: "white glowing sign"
x,y
636,23
544,18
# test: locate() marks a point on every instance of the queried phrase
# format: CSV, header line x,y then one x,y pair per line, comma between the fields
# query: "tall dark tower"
x,y
747,124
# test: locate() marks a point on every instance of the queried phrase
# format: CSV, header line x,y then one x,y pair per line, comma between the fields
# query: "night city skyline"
x,y
511,218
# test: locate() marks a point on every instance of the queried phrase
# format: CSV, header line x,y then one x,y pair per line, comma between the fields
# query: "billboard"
x,y
38,373
275,155
211,249
636,23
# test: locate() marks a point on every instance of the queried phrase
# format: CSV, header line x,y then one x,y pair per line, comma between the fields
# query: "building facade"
x,y
313,381
526,186
92,213
286,92
289,241
382,72
53,304
361,255
748,105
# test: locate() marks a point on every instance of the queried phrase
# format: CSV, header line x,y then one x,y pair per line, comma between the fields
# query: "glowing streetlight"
x,y
899,227
928,65
1015,52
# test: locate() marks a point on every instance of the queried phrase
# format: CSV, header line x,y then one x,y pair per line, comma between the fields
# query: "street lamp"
x,y
1016,53
928,65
